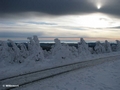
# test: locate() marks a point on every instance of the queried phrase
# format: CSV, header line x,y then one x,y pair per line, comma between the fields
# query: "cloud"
x,y
53,7
41,23
14,34
117,28
111,7
58,7
72,27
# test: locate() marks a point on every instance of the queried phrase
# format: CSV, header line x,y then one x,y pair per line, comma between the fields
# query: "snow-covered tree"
x,y
118,45
39,51
91,50
60,51
74,51
30,45
83,48
6,53
107,47
114,47
1,42
17,55
99,48
47,54
56,47
34,48
23,50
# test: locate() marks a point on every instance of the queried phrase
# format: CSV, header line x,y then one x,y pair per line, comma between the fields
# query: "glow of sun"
x,y
92,21
98,6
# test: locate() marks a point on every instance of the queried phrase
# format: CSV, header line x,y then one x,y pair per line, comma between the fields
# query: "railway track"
x,y
28,78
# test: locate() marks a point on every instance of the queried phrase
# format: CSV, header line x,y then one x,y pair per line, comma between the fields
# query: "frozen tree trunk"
x,y
107,47
99,48
83,48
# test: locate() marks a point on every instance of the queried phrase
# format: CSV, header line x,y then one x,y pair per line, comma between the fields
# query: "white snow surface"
x,y
105,76
30,66
15,61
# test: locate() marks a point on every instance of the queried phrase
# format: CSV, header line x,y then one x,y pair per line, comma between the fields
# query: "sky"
x,y
68,20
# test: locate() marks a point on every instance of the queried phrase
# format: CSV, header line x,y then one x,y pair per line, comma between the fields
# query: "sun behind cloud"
x,y
99,6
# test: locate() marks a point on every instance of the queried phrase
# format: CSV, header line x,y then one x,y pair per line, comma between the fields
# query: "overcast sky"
x,y
90,19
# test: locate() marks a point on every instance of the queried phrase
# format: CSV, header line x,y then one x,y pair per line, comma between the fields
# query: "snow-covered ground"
x,y
105,76
31,66
20,59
